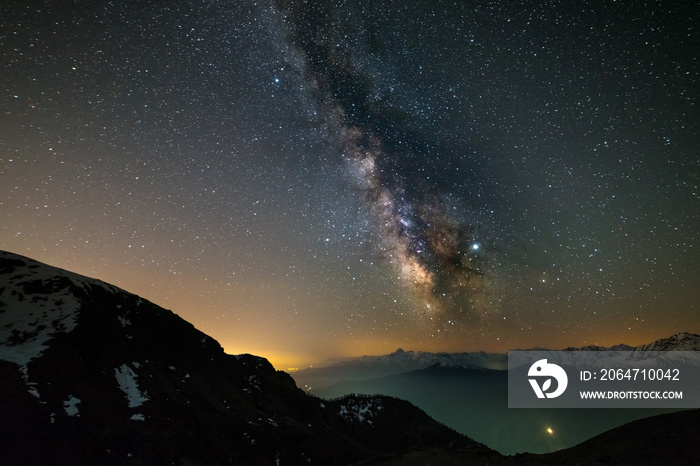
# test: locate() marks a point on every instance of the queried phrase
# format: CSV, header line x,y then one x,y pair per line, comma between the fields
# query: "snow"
x,y
29,321
37,302
33,391
679,342
422,359
71,406
368,367
360,409
126,378
404,361
272,422
254,382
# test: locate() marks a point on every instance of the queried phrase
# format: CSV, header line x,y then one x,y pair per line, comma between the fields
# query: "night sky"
x,y
308,180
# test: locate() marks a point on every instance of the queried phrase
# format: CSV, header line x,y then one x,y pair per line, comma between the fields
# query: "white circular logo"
x,y
545,371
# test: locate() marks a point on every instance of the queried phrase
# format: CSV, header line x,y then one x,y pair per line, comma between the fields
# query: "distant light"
x,y
550,431
475,246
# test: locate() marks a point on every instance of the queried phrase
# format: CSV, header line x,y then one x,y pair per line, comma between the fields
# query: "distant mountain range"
x,y
400,361
91,374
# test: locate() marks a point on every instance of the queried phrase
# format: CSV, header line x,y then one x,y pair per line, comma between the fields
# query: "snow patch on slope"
x,y
26,326
360,410
71,406
126,378
37,302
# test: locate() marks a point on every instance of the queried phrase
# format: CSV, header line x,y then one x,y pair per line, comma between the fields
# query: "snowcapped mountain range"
x,y
400,361
421,359
679,342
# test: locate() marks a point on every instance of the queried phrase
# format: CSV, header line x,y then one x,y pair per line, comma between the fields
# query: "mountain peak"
x,y
685,336
682,341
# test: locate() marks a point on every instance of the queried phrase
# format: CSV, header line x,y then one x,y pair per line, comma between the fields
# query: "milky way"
x,y
427,228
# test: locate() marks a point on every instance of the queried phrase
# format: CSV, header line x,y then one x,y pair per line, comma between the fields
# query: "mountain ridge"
x,y
368,367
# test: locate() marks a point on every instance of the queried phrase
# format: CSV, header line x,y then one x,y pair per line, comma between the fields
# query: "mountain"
x,y
468,392
679,342
682,341
668,439
664,439
91,374
401,358
400,361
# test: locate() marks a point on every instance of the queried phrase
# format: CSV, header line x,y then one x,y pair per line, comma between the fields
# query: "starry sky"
x,y
311,180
